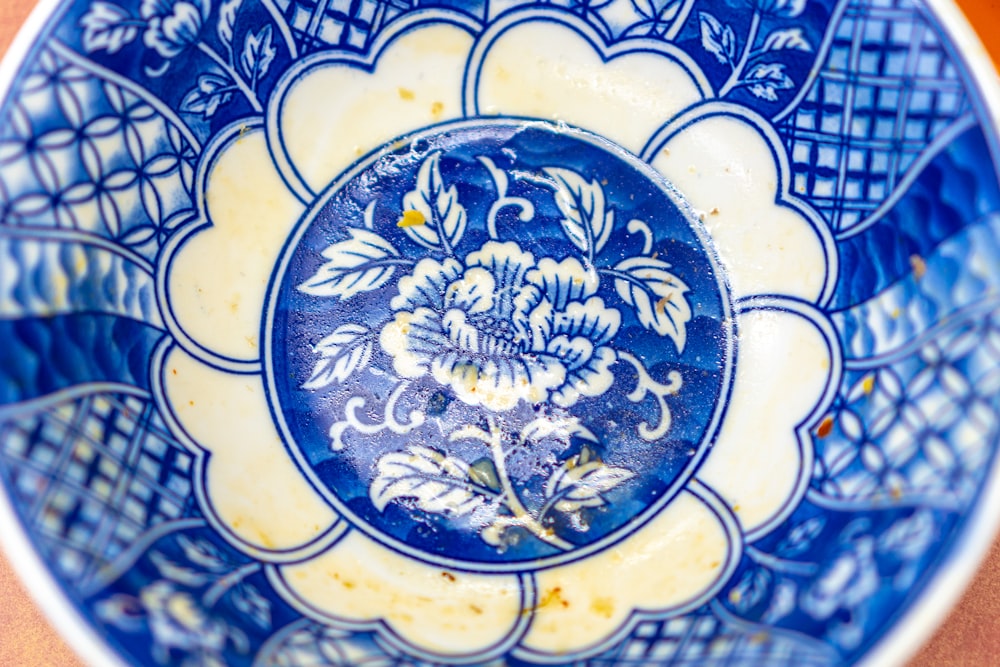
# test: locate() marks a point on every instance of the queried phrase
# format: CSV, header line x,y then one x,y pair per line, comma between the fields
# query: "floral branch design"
x,y
497,328
178,609
763,79
172,27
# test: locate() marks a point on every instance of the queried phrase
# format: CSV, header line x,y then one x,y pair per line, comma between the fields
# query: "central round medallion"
x,y
498,344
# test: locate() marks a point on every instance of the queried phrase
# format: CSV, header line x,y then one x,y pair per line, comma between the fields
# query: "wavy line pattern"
x,y
41,276
961,271
42,355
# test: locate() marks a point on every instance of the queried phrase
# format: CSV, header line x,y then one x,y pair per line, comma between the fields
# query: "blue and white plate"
x,y
607,332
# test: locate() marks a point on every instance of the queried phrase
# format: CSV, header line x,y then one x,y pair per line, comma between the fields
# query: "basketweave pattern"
x,y
886,89
91,475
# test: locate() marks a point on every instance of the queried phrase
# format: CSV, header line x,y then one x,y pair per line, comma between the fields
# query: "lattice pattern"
x,y
80,152
886,90
706,640
350,23
91,475
919,429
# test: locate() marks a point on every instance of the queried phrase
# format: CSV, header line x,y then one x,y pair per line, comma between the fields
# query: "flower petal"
x,y
412,339
362,585
426,285
217,274
769,242
550,68
416,81
672,564
565,281
253,490
472,293
788,367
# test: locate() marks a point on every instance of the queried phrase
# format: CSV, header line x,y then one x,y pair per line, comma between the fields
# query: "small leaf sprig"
x,y
748,67
172,27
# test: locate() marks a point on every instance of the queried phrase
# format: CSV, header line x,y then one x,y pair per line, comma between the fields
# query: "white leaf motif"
x,y
362,263
792,38
578,486
557,427
585,220
342,353
108,27
766,78
258,53
444,217
657,296
437,483
717,39
227,20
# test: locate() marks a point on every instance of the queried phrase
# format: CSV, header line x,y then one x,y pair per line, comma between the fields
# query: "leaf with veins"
x,y
586,219
583,485
362,263
436,483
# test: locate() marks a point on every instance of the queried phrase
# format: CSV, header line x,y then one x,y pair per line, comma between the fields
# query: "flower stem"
x,y
279,20
222,586
783,565
511,499
234,75
737,73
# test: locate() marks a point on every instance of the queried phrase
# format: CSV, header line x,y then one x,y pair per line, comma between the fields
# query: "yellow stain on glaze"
x,y
412,219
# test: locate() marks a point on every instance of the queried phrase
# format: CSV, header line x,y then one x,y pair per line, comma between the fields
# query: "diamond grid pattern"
x,y
705,639
885,91
92,475
83,153
350,23
920,428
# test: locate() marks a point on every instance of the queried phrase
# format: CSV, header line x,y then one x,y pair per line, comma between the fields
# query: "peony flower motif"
x,y
501,329
173,25
482,328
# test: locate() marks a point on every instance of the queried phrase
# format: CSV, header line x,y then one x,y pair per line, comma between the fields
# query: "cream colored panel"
x,y
218,278
252,484
672,560
782,369
726,169
338,112
431,608
546,70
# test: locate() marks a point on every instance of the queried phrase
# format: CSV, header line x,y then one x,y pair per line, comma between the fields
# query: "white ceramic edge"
x,y
921,620
26,562
911,632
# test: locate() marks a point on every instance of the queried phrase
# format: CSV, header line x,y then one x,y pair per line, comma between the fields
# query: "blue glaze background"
x,y
77,413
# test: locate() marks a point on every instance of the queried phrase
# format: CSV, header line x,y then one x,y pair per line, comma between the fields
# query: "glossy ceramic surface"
x,y
530,333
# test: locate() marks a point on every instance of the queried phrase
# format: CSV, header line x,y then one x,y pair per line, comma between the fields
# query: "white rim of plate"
x,y
901,642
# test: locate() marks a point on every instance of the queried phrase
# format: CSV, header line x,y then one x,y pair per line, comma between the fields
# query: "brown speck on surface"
x,y
475,609
661,305
191,403
736,507
406,94
437,109
666,152
448,575
825,427
714,211
174,371
918,265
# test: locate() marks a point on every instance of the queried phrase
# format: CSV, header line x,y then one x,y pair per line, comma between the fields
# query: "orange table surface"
x,y
969,637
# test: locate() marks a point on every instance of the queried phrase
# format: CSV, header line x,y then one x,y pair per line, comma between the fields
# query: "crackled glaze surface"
x,y
614,332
